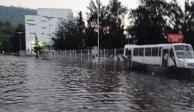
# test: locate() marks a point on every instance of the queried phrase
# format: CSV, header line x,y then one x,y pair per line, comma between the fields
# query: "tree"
x,y
92,22
70,34
80,24
175,18
116,14
110,23
149,23
188,29
6,32
65,38
15,39
37,47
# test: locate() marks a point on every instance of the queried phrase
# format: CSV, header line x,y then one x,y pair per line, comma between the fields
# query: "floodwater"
x,y
30,85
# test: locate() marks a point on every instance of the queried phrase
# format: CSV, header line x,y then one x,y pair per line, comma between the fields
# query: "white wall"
x,y
59,13
43,25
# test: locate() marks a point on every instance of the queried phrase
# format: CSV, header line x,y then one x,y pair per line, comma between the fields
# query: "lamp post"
x,y
49,18
20,34
49,35
98,30
30,24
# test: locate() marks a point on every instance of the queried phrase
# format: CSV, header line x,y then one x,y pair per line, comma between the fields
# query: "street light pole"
x,y
30,24
49,18
20,34
98,30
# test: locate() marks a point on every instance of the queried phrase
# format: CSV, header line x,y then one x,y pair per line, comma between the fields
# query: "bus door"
x,y
165,55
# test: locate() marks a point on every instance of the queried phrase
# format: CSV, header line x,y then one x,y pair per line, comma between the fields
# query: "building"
x,y
43,25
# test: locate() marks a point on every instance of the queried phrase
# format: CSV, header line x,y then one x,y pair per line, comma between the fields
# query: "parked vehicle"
x,y
176,55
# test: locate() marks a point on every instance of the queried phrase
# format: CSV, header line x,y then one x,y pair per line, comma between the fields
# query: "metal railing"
x,y
88,54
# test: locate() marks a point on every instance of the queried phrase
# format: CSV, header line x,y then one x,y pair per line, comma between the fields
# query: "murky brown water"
x,y
30,85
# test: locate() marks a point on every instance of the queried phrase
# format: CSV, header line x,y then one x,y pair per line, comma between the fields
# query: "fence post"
x,y
70,56
75,55
81,56
104,53
114,55
88,55
131,63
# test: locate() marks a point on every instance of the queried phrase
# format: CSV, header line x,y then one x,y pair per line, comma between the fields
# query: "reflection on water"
x,y
29,85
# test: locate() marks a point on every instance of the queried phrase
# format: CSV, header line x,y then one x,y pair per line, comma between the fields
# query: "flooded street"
x,y
30,85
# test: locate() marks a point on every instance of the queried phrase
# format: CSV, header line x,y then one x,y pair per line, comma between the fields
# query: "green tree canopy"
x,y
188,28
110,22
6,32
154,19
17,38
70,34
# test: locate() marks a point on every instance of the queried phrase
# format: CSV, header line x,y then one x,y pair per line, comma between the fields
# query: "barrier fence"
x,y
88,57
86,54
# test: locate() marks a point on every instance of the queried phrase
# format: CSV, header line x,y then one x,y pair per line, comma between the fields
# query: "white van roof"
x,y
154,45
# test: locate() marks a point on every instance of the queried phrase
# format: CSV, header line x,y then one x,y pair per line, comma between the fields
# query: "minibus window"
x,y
141,52
160,51
135,53
179,47
148,52
155,51
184,51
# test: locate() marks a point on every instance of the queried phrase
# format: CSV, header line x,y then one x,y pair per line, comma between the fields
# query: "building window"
x,y
43,20
44,27
30,20
30,24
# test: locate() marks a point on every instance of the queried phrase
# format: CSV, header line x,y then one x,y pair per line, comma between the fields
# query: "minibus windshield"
x,y
184,51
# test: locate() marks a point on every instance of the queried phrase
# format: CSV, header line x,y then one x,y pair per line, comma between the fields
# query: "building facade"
x,y
43,25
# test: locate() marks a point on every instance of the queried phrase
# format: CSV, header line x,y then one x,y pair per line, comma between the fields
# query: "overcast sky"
x,y
75,5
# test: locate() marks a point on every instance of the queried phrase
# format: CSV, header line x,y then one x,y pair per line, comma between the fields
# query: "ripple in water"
x,y
28,85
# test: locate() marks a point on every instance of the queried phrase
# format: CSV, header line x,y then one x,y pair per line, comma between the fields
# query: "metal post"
x,y
49,19
70,56
75,56
115,56
88,55
31,45
184,56
104,53
115,52
98,30
81,57
30,24
104,59
50,30
20,34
